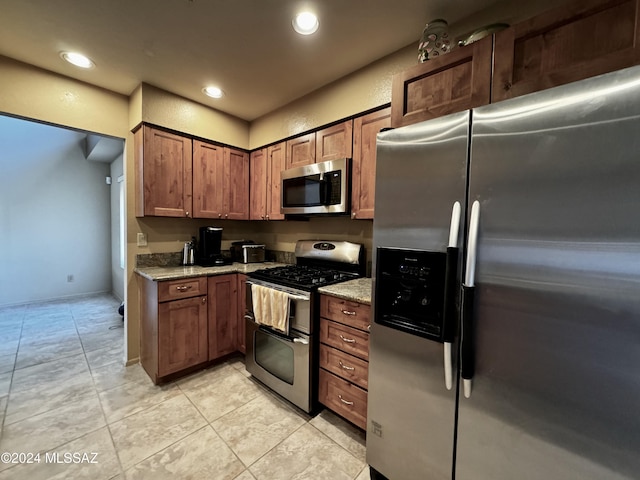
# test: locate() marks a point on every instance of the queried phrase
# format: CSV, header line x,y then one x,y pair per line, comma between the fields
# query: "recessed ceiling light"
x,y
305,23
214,92
77,59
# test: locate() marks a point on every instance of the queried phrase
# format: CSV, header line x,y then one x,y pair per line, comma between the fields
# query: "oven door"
x,y
282,363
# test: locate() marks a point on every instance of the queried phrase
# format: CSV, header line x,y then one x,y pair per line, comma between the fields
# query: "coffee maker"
x,y
209,247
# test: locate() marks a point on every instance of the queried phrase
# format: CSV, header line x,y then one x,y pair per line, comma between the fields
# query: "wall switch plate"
x,y
142,240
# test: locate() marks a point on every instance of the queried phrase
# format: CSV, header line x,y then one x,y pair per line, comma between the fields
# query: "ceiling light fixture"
x,y
213,92
77,59
305,23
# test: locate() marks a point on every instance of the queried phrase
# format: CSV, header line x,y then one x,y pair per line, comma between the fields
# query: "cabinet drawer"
x,y
343,398
344,365
353,314
347,339
185,288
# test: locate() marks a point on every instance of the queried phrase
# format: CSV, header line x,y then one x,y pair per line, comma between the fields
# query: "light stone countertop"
x,y
175,273
358,290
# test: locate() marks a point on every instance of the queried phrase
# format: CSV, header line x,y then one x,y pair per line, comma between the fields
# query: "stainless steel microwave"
x,y
317,188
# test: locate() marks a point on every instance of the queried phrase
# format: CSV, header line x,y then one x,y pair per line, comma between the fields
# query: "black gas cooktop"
x,y
302,276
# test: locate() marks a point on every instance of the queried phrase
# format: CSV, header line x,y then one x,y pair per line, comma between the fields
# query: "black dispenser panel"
x,y
410,288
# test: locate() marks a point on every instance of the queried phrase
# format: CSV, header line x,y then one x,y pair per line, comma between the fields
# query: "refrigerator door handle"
x,y
449,317
467,361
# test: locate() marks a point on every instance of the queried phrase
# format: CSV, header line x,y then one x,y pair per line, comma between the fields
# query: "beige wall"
x,y
168,110
367,88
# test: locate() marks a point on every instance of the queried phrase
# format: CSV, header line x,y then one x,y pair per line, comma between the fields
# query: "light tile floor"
x,y
66,395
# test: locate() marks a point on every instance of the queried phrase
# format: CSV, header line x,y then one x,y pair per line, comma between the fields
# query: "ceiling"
x,y
246,47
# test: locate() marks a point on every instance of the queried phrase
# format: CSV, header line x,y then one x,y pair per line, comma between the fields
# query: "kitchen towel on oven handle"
x,y
271,307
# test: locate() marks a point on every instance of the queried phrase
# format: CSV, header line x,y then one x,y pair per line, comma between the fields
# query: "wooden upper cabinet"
x,y
237,184
449,83
334,142
258,166
276,155
208,180
365,132
301,151
569,43
220,182
266,167
163,171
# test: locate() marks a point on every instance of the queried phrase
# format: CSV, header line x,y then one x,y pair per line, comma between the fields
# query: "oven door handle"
x,y
282,336
291,295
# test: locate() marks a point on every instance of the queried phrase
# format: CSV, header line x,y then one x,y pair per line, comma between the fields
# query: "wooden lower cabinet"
x,y
182,334
223,315
242,308
344,355
344,398
173,325
189,322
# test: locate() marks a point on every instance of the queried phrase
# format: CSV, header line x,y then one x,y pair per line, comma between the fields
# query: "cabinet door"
x,y
258,168
365,131
301,151
242,310
237,184
182,334
449,83
276,154
578,40
164,164
223,315
334,142
208,180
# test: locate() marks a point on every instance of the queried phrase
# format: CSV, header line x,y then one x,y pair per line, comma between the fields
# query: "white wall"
x,y
54,215
117,272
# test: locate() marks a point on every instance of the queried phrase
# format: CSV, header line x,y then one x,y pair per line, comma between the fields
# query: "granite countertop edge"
x,y
158,274
358,290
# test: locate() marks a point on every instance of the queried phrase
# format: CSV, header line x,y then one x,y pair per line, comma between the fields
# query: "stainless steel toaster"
x,y
247,252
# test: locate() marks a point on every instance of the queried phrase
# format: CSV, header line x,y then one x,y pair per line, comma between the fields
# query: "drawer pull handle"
x,y
347,312
348,340
346,402
183,288
346,367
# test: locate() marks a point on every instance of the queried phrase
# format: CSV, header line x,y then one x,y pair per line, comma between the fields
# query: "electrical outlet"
x,y
69,278
142,240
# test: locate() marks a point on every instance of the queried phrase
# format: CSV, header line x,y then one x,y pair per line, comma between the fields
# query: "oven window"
x,y
275,356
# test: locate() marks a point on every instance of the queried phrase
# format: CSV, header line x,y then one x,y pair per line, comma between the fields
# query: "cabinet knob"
x,y
267,217
186,214
204,300
219,215
226,215
262,216
507,86
353,215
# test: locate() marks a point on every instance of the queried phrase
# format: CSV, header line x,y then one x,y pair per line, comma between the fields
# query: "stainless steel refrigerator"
x,y
506,290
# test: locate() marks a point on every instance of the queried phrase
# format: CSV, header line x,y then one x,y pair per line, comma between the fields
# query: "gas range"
x,y
302,277
318,263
